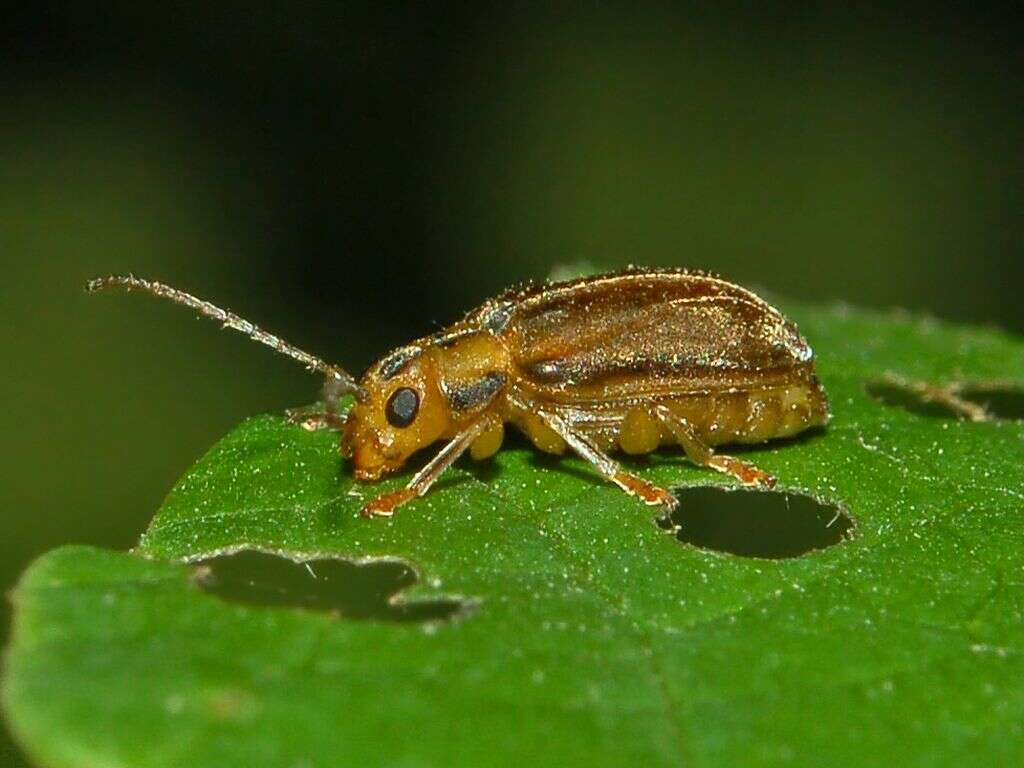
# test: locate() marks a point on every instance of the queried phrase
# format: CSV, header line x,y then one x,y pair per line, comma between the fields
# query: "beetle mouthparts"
x,y
369,463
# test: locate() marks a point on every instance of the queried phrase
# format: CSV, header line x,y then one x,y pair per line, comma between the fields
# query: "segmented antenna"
x,y
341,379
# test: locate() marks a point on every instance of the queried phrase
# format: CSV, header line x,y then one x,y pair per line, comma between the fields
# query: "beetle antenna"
x,y
340,378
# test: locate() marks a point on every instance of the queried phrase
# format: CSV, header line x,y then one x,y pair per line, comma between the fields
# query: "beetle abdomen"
x,y
727,417
755,416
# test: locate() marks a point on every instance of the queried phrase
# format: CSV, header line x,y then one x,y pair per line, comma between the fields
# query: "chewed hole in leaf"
x,y
765,524
971,400
332,585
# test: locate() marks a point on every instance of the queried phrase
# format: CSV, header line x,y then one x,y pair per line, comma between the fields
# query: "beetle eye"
x,y
401,407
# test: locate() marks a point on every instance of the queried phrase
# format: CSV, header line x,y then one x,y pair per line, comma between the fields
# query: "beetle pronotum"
x,y
632,361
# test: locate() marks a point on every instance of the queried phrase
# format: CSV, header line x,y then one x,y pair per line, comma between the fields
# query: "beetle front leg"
x,y
314,418
635,486
703,456
386,504
328,417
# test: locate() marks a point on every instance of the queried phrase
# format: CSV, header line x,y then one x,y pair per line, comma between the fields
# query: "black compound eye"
x,y
402,407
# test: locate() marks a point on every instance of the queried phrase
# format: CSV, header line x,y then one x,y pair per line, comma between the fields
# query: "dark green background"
x,y
360,165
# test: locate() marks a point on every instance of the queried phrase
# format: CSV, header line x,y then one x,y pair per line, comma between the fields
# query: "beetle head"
x,y
402,411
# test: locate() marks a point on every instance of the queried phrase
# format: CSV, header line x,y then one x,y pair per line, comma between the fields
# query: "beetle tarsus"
x,y
703,456
386,504
647,492
746,473
313,419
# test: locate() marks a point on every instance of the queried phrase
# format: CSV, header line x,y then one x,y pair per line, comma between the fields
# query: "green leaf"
x,y
587,635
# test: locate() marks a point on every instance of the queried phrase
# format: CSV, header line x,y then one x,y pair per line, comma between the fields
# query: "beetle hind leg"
x,y
703,456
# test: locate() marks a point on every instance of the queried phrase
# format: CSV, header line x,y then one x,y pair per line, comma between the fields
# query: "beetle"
x,y
632,361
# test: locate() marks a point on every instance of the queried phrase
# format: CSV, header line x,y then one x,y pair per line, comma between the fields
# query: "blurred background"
x,y
355,174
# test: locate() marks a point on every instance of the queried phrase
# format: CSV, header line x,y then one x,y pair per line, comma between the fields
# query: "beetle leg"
x,y
327,417
585,447
386,504
314,418
703,456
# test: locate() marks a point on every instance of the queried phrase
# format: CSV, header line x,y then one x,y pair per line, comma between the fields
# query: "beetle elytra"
x,y
629,361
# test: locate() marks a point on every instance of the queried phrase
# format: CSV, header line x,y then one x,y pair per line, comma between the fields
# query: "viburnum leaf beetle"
x,y
632,360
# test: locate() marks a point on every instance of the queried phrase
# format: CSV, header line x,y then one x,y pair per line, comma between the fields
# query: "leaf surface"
x,y
587,634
